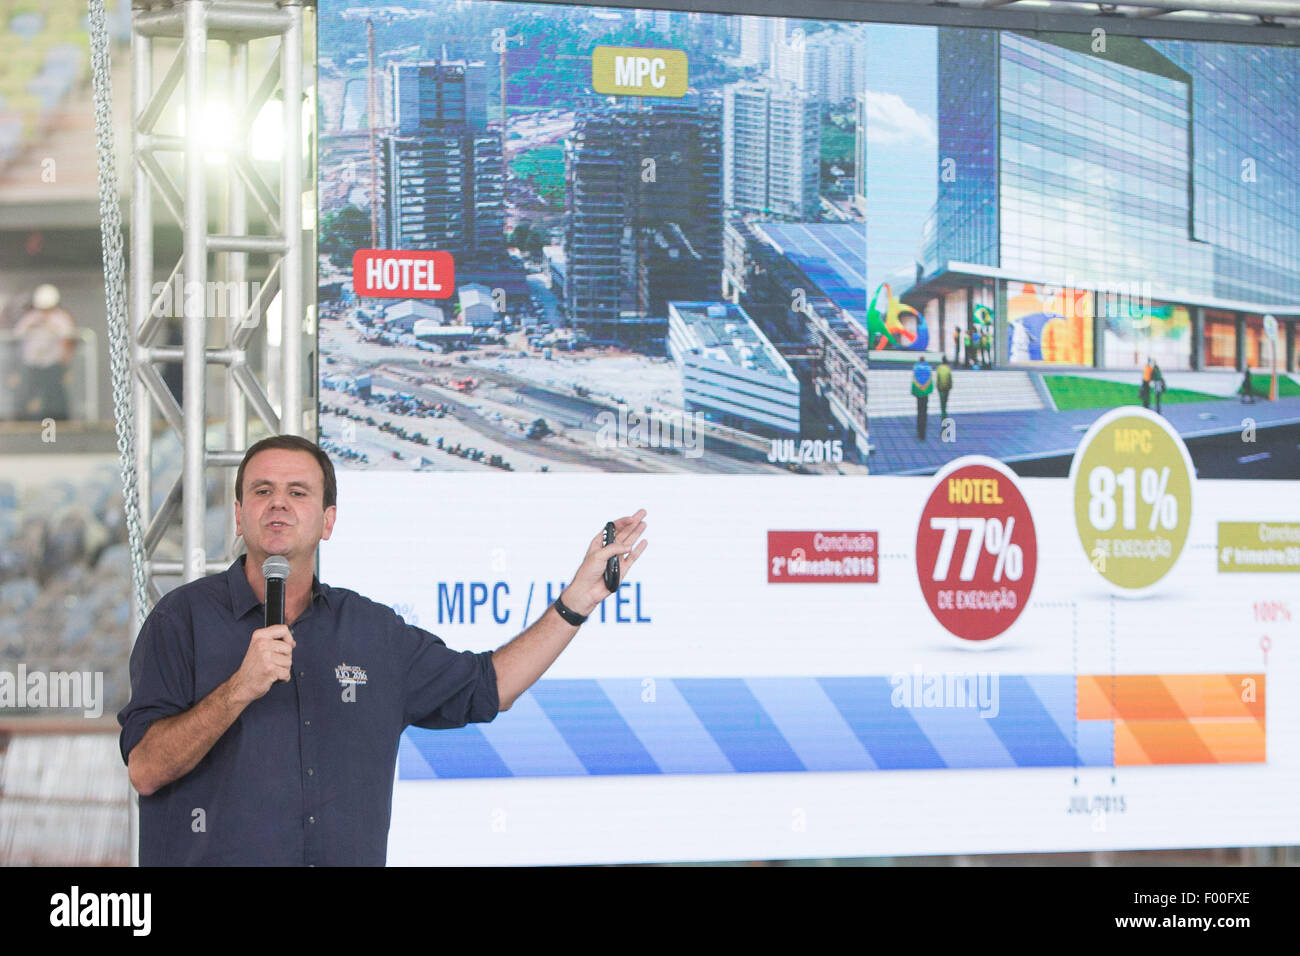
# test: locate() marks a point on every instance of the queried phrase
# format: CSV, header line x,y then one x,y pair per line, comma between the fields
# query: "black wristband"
x,y
570,615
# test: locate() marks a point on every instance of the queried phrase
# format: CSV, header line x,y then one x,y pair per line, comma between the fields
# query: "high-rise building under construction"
x,y
443,172
643,214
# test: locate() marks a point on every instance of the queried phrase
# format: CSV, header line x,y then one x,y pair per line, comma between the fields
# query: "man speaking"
x,y
276,745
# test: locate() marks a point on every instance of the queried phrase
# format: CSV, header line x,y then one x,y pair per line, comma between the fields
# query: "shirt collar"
x,y
242,598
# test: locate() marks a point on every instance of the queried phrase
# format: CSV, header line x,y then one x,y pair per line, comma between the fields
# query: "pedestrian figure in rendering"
x,y
1157,384
922,386
1144,390
943,384
1247,388
956,345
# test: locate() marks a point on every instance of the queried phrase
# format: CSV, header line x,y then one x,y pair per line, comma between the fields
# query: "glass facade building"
x,y
1246,165
1095,167
965,227
1166,169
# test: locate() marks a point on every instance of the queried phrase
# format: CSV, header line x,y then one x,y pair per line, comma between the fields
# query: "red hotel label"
x,y
402,274
839,557
976,548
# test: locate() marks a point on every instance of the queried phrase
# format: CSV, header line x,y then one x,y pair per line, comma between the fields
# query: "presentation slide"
x,y
962,400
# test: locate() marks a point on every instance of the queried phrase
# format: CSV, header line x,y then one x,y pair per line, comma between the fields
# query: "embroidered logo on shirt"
x,y
350,674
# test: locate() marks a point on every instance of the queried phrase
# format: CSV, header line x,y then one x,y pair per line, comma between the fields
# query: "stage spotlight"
x,y
216,133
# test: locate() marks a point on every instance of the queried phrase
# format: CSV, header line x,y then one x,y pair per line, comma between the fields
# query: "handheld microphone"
x,y
275,569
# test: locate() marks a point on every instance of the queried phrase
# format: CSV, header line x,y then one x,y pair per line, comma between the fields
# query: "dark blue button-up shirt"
x,y
304,776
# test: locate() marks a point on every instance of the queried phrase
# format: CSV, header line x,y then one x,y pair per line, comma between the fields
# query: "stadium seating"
x,y
47,58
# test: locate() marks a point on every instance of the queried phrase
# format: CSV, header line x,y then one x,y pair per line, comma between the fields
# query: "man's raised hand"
x,y
587,588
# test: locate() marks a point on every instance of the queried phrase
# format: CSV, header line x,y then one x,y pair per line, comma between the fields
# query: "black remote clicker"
x,y
611,566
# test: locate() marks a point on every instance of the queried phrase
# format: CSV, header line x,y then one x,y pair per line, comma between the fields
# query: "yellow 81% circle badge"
x,y
1132,479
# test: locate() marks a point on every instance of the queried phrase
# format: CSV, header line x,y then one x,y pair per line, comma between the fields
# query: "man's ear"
x,y
239,531
330,513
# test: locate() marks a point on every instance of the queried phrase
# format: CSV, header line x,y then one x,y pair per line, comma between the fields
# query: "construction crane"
x,y
374,127
372,106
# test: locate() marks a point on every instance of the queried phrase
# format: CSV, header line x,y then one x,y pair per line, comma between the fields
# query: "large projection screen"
x,y
954,366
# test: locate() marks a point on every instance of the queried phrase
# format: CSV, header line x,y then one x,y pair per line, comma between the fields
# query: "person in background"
x,y
922,386
1157,384
1247,388
956,345
943,384
1144,390
986,340
47,336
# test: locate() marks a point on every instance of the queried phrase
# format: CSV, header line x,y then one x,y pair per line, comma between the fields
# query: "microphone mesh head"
x,y
275,566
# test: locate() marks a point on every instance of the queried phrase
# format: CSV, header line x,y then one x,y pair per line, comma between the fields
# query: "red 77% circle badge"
x,y
976,549
1010,558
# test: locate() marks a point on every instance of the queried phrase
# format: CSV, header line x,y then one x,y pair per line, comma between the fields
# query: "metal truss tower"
x,y
176,168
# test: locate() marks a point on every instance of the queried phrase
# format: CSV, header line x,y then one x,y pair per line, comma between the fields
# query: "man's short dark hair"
x,y
291,443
